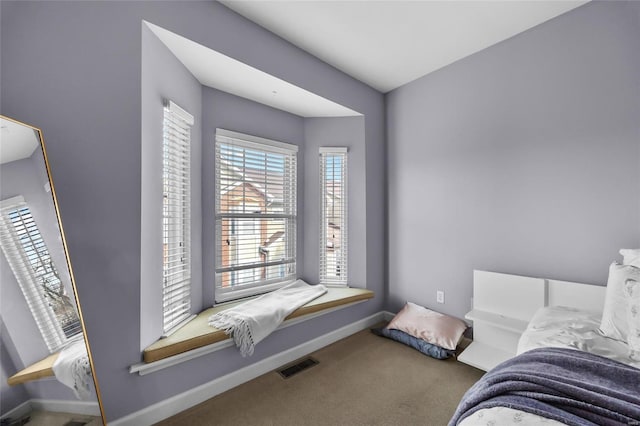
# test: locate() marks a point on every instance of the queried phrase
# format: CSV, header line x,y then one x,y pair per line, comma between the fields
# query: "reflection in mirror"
x,y
46,369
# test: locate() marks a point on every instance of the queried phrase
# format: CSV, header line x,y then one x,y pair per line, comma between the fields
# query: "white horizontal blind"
x,y
176,223
333,228
30,261
255,215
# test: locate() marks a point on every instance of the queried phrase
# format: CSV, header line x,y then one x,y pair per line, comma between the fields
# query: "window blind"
x,y
30,261
176,217
255,189
333,227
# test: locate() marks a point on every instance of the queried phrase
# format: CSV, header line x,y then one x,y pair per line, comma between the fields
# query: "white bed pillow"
x,y
633,311
615,323
631,257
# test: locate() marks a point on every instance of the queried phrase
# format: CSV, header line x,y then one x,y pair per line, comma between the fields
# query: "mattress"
x,y
498,416
562,327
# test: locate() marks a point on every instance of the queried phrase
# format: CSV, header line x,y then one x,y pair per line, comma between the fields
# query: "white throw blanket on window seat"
x,y
254,320
72,369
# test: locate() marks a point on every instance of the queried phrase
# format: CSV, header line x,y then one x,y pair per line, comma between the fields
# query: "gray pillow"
x,y
423,346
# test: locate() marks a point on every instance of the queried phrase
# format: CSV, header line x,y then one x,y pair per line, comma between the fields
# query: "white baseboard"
x,y
18,412
171,406
87,408
388,316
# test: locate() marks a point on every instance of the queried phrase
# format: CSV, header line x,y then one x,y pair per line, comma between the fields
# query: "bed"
x,y
565,372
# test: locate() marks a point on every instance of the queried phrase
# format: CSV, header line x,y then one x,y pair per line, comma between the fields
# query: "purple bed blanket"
x,y
574,387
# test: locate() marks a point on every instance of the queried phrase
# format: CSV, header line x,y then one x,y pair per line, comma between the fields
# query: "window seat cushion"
x,y
198,333
38,370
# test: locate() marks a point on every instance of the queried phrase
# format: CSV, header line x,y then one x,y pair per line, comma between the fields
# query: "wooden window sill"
x,y
198,333
38,370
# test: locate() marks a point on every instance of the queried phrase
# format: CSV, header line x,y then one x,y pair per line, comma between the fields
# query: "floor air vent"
x,y
299,366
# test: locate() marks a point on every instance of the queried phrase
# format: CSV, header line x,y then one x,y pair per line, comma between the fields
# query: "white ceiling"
x,y
17,141
389,43
213,69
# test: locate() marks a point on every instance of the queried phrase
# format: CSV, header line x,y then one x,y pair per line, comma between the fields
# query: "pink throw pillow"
x,y
433,327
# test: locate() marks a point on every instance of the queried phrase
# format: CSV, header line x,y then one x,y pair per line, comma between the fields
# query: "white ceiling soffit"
x,y
387,44
213,69
16,141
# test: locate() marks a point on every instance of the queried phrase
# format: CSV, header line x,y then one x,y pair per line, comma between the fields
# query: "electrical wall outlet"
x,y
440,296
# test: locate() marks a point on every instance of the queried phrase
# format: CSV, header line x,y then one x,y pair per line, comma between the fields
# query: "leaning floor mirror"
x,y
46,363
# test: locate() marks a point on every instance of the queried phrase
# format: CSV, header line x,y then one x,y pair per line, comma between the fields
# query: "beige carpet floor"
x,y
361,380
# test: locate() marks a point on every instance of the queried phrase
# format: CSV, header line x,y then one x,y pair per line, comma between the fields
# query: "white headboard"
x,y
587,297
519,297
503,305
510,295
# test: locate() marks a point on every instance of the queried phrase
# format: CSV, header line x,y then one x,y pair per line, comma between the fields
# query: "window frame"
x,y
341,258
28,279
176,217
288,216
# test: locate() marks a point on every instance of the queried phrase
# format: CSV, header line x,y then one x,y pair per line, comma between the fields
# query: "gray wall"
x,y
522,158
10,396
164,77
81,83
226,111
347,132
